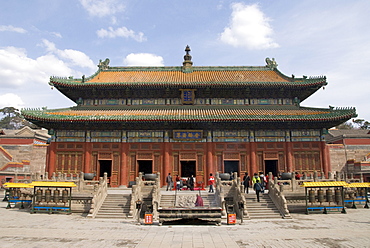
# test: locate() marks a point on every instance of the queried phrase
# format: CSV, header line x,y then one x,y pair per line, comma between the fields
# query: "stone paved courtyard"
x,y
19,228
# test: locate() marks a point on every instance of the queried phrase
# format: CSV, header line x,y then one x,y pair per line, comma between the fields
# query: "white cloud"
x,y
10,99
69,56
143,59
11,28
121,32
248,28
102,8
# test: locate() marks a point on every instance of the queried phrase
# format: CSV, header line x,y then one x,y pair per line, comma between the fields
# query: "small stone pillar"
x,y
315,177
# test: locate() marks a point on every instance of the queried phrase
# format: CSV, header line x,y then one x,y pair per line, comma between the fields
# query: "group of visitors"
x,y
180,183
259,183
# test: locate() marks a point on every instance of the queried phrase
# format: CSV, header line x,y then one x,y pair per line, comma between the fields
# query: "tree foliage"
x,y
11,118
355,124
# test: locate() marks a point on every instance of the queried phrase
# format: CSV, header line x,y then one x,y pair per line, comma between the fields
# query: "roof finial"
x,y
187,64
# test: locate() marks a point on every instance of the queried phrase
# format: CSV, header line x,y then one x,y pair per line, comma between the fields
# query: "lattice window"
x,y
145,146
176,162
133,162
306,145
231,156
157,162
105,156
315,145
220,146
144,156
61,146
271,155
156,147
230,147
260,146
219,163
70,146
115,146
200,162
198,146
241,147
96,146
243,166
116,162
281,162
176,146
188,147
79,146
260,161
270,146
296,145
60,162
280,145
134,146
188,156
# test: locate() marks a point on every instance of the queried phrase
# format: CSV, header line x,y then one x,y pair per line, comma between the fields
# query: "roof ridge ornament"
x,y
271,63
187,65
103,65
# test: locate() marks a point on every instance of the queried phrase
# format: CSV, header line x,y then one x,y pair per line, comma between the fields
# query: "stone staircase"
x,y
265,209
115,206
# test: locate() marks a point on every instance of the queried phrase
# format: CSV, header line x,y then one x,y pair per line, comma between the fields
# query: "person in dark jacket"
x,y
246,181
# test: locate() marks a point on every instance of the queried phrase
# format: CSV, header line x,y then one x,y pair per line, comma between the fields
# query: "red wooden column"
x,y
52,158
325,158
166,163
253,160
124,165
289,156
210,167
87,160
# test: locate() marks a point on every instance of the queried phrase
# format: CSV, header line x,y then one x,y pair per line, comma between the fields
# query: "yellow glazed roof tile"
x,y
195,76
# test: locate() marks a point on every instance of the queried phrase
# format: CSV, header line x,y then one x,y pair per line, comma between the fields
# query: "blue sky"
x,y
39,39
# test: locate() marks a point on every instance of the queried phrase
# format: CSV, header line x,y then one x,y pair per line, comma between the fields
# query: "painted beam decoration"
x,y
187,134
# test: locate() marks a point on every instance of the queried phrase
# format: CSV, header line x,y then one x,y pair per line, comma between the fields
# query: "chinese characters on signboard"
x,y
187,96
187,135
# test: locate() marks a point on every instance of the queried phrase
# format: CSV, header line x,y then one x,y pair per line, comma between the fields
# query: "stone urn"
x,y
89,176
286,176
225,176
150,177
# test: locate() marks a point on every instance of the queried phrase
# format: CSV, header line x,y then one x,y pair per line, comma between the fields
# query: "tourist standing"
x,y
246,181
169,181
211,181
191,182
258,188
262,180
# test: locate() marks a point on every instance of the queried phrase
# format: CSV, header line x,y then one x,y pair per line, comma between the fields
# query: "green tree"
x,y
12,119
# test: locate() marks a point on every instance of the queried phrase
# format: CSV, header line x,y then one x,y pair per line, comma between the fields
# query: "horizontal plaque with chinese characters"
x,y
188,135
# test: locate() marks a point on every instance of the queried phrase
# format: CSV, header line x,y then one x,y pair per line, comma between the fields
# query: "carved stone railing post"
x,y
100,193
276,193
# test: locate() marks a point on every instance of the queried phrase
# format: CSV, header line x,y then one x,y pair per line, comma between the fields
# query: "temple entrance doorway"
x,y
231,167
145,166
187,168
271,166
105,166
